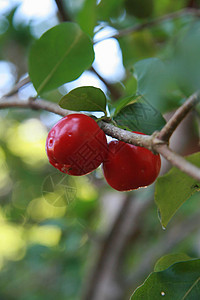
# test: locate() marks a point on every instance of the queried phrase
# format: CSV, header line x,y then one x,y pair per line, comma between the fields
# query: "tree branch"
x,y
126,136
105,281
109,129
179,115
178,161
169,240
15,102
65,17
62,11
139,27
18,86
126,222
152,143
114,92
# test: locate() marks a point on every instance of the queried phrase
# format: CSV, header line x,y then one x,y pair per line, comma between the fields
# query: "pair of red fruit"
x,y
76,145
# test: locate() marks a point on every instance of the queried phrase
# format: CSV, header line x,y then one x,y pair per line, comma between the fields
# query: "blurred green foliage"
x,y
45,246
42,246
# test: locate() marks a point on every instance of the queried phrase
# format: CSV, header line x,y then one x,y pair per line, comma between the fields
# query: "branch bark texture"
x,y
179,115
174,15
157,143
106,282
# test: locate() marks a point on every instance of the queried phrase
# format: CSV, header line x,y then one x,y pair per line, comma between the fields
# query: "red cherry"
x,y
76,145
130,167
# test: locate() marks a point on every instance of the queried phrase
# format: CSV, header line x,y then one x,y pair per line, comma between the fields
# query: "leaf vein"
x,y
193,285
45,81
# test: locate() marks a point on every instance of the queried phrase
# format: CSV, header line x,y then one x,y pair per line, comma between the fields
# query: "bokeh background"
x,y
53,228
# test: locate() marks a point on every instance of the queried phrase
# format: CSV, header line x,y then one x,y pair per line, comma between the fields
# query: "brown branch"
x,y
15,102
176,234
18,86
178,161
126,136
114,91
126,223
65,17
62,11
150,142
109,129
105,279
139,27
179,115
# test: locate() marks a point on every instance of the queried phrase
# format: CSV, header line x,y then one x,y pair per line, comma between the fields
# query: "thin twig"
x,y
105,278
179,115
65,17
15,102
150,142
178,161
139,27
113,90
126,136
18,86
62,11
169,240
109,129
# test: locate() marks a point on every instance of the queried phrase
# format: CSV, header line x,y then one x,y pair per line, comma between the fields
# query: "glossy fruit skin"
x,y
76,145
130,167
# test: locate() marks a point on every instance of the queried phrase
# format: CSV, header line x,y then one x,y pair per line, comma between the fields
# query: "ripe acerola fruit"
x,y
76,145
130,167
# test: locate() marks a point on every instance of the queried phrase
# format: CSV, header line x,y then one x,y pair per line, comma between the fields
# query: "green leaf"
x,y
174,188
137,46
166,261
121,103
140,9
61,55
138,115
180,281
185,62
130,85
87,16
167,6
86,98
53,96
156,83
109,9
